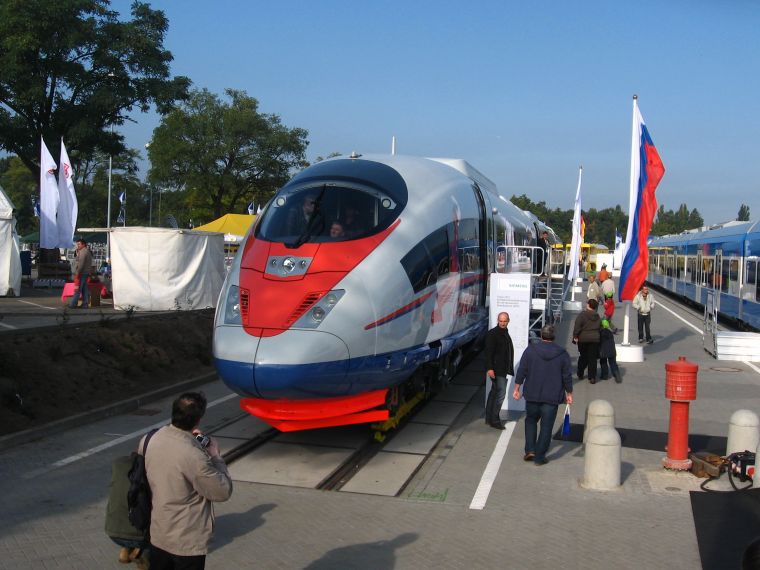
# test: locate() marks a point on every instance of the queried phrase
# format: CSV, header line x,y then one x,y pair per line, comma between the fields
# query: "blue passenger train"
x,y
723,259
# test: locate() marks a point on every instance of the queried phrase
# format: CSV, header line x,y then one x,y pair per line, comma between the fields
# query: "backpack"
x,y
139,496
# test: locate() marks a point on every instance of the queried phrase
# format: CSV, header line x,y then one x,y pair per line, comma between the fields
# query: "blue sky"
x,y
524,91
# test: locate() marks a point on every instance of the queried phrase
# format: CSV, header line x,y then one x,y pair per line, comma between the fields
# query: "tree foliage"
x,y
225,153
19,185
602,224
91,184
71,69
675,222
743,215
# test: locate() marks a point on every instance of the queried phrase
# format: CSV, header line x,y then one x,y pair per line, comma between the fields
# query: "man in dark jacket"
x,y
586,335
545,373
500,361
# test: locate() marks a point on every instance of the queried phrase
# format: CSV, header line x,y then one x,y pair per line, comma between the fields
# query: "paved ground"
x,y
535,517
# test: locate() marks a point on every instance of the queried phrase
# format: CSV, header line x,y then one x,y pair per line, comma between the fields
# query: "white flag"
x,y
575,245
250,209
48,199
68,209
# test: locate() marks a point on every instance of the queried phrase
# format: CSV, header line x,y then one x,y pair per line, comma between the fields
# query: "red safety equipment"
x,y
680,389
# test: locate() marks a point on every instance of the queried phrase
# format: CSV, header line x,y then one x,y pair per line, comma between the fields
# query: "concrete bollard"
x,y
601,469
598,413
743,432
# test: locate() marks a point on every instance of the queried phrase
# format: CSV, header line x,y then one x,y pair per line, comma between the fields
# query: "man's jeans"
x,y
546,413
644,322
84,292
496,399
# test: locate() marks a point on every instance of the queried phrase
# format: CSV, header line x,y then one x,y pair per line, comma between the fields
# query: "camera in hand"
x,y
203,440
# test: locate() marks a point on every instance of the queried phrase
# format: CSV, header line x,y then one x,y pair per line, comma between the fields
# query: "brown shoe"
x,y
124,556
135,553
529,456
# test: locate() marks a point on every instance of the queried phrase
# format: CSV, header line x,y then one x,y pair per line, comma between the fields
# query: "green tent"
x,y
96,237
33,237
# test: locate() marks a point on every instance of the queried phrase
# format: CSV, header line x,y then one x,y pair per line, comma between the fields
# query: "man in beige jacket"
x,y
185,477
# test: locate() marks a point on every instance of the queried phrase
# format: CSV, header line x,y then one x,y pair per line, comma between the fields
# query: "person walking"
x,y
609,310
643,302
500,362
586,336
607,284
82,267
187,474
546,377
608,353
133,542
603,273
594,291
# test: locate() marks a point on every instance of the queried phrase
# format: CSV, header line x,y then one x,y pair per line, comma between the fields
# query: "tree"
x,y
670,222
20,186
225,153
743,215
72,69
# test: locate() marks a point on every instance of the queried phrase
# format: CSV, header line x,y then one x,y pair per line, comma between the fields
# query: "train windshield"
x,y
326,213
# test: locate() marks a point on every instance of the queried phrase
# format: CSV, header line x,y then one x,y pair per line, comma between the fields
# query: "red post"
x,y
680,389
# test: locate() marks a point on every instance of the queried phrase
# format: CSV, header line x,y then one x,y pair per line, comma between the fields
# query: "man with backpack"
x,y
186,474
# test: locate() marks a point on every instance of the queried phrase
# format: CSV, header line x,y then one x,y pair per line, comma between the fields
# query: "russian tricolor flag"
x,y
646,171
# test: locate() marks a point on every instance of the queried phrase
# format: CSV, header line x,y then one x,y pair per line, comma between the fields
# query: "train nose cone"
x,y
301,364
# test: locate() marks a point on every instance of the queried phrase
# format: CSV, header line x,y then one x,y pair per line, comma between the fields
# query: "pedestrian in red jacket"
x,y
609,310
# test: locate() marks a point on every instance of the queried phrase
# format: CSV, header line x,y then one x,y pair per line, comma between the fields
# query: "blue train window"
x,y
429,259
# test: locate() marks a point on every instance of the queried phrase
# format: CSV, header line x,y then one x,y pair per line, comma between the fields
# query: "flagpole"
x,y
626,352
633,191
108,215
575,247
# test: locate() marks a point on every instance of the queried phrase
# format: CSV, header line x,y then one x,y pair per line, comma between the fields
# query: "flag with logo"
x,y
647,170
122,218
575,245
583,228
68,208
48,199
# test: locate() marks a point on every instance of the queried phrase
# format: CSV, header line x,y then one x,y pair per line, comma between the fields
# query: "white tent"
x,y
160,269
10,260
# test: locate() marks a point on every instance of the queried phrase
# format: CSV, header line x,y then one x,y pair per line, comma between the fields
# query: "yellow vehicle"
x,y
588,254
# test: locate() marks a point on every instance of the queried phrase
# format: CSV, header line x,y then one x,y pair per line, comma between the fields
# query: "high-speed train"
x,y
723,260
361,285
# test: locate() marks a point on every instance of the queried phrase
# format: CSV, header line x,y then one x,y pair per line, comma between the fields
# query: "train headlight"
x,y
316,314
232,306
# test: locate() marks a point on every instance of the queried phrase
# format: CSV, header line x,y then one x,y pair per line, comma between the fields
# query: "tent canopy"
x,y
94,237
230,225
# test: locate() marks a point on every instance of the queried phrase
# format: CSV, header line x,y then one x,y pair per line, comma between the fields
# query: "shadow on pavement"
x,y
380,555
229,527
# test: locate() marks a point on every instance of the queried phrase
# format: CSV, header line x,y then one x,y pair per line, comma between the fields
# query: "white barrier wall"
x,y
161,269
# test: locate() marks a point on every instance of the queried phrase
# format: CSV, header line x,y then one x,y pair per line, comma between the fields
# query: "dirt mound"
x,y
48,374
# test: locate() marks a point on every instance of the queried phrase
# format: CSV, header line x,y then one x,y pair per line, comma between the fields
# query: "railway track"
x,y
331,459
